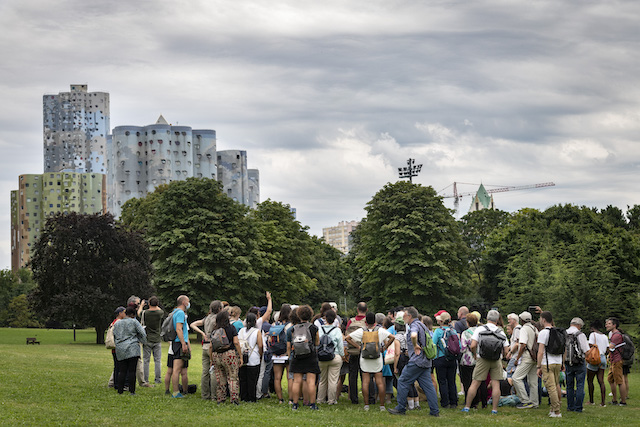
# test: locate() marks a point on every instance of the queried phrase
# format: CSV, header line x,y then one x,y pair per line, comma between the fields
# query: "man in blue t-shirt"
x,y
180,350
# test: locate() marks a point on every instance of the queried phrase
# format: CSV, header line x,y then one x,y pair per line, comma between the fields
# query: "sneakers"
x,y
313,407
464,410
525,406
623,404
294,407
494,412
555,415
383,409
178,396
394,411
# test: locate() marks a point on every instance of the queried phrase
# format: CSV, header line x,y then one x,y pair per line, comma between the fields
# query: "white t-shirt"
x,y
476,334
371,365
582,338
515,338
320,322
600,340
554,359
251,336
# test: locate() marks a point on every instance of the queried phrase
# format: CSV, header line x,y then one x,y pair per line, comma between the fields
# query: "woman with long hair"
x,y
226,361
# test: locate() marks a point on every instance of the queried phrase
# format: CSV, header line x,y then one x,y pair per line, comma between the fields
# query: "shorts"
x,y
602,365
626,369
615,373
484,367
176,347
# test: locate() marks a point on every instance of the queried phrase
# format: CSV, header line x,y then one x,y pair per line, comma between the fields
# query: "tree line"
x,y
189,237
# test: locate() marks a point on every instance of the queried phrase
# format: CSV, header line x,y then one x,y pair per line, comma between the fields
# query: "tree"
x,y
285,255
202,243
85,266
409,249
12,285
19,315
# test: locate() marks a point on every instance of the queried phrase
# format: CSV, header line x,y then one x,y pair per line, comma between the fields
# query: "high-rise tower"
x,y
76,125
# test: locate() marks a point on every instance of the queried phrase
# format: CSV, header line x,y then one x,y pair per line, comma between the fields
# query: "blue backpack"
x,y
277,339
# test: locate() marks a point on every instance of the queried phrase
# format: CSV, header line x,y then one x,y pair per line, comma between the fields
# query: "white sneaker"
x,y
383,409
366,407
555,415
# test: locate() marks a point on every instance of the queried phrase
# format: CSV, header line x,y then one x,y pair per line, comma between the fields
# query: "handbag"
x,y
110,341
390,355
592,356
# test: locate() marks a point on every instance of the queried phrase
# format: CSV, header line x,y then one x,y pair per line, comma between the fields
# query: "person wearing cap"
x,y
525,361
576,373
118,314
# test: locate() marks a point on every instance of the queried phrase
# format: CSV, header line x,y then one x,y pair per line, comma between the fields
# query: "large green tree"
x,y
12,285
574,261
409,249
85,266
202,243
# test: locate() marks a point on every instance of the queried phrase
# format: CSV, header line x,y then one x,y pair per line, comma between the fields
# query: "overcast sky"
x,y
330,98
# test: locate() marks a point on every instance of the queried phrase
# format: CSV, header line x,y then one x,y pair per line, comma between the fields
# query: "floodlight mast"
x,y
410,170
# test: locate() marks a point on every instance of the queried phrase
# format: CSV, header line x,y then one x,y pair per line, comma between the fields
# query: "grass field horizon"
x,y
62,382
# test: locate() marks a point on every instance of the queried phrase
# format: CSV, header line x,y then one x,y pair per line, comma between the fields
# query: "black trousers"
x,y
446,374
466,377
127,373
248,377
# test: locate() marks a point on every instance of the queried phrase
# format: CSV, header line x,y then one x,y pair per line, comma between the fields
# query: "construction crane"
x,y
457,196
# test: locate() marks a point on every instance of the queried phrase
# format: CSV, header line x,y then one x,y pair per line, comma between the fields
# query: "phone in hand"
x,y
533,309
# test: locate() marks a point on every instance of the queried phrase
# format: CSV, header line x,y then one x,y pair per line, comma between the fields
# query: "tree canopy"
x,y
409,249
85,266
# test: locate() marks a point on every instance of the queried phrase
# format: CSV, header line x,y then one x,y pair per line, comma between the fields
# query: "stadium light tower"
x,y
410,170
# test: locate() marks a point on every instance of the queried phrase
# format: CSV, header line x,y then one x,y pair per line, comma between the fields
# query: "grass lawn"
x,y
62,382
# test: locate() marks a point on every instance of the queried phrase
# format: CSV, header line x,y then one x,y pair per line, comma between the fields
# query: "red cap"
x,y
440,312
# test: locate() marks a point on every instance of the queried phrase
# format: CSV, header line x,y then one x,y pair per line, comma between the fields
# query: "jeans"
x,y
266,371
156,349
446,373
410,374
575,397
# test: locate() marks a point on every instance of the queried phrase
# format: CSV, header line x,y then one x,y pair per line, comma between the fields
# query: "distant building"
x,y
76,126
42,195
482,200
340,236
254,188
140,158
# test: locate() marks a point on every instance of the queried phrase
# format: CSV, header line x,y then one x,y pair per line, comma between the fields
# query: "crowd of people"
x,y
401,352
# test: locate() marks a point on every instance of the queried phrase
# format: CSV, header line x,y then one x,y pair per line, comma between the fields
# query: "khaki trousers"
x,y
551,378
329,376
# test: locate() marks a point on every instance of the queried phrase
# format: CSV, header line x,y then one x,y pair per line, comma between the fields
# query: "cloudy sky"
x,y
330,98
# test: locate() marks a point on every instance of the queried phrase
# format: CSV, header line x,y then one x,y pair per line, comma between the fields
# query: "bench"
x,y
33,341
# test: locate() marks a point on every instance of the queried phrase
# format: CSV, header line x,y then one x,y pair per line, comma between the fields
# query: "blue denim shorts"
x,y
602,365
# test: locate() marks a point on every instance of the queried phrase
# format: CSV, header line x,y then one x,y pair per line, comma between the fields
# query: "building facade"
x,y
140,158
340,236
42,195
76,125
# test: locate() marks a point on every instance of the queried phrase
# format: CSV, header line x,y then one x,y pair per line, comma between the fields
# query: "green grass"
x,y
61,382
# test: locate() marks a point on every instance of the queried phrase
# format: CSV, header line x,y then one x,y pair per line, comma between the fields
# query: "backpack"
x,y
574,355
327,348
301,341
277,339
245,347
451,344
557,341
168,331
220,341
628,349
491,344
354,326
370,344
430,350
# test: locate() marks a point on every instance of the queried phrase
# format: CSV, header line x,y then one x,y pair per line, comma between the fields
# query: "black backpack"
x,y
557,341
628,349
574,355
491,344
327,348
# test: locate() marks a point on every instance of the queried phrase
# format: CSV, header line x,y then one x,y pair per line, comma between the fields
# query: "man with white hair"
x,y
574,364
490,343
514,323
525,360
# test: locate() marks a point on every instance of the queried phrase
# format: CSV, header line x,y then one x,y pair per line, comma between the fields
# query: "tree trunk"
x,y
100,334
